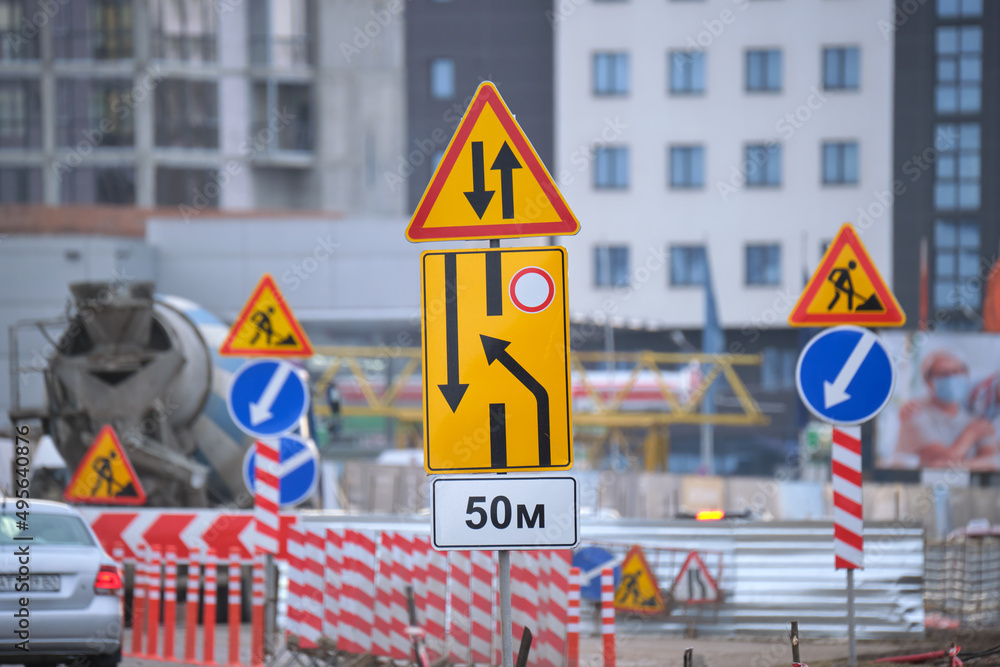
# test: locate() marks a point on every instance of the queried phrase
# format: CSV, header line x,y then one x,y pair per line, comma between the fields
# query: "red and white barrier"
x,y
138,601
573,624
191,610
555,566
524,585
848,519
382,627
211,598
608,615
235,608
401,576
334,553
312,607
170,604
154,558
266,498
436,602
358,592
257,613
481,608
458,600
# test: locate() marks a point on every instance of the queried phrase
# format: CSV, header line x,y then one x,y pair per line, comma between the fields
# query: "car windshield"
x,y
59,529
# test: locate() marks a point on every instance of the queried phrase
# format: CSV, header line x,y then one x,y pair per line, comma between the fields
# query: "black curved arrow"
x,y
496,350
506,163
480,197
454,390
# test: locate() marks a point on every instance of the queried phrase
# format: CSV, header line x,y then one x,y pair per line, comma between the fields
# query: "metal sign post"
x,y
852,646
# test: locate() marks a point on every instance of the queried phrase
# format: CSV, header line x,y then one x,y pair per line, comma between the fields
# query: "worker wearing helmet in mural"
x,y
940,428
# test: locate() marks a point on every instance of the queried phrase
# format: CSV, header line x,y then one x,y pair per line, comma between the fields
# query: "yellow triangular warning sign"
x,y
694,584
266,327
638,591
105,475
490,183
847,289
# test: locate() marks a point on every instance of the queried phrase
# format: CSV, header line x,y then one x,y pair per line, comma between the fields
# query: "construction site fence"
x,y
962,583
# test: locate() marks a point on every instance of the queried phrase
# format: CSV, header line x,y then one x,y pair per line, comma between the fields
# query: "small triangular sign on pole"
x,y
694,584
847,289
266,327
490,182
638,592
105,474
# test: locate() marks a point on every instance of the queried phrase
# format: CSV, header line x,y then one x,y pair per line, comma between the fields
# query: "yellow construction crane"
x,y
647,390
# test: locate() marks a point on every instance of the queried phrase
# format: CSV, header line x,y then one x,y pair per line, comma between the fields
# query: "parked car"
x,y
60,593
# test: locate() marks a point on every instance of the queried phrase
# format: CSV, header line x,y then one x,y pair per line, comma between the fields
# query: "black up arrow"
x,y
453,391
506,162
496,350
480,197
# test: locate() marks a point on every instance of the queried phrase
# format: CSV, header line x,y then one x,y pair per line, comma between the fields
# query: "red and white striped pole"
x,y
170,604
153,617
138,599
573,623
208,625
848,523
267,460
191,608
608,615
234,608
257,620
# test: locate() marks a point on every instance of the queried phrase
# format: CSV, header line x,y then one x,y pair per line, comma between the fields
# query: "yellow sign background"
x,y
638,590
459,440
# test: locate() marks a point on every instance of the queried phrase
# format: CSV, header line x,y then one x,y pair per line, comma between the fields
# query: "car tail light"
x,y
709,515
109,580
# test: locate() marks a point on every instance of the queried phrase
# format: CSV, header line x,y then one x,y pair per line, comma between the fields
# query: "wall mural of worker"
x,y
945,412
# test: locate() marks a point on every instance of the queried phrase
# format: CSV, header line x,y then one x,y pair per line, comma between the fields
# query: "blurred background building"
x,y
709,151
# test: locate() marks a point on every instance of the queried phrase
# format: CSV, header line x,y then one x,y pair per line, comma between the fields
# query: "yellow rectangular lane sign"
x,y
496,360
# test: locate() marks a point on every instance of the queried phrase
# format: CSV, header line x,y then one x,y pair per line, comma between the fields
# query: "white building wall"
x,y
649,216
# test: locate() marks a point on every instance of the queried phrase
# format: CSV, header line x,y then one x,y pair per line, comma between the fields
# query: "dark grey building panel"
x,y
509,42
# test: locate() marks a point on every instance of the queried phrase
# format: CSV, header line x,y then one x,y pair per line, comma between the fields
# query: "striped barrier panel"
x,y
382,627
358,591
458,601
481,606
401,571
312,607
573,619
436,601
334,553
848,520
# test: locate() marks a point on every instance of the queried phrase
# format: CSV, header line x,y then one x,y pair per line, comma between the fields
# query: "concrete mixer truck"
x,y
147,365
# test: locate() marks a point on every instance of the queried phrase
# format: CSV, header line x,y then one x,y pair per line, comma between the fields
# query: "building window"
x,y
957,284
959,8
442,78
98,30
20,114
611,266
16,43
764,70
184,30
187,187
763,165
841,68
687,265
840,163
95,112
611,168
279,32
187,114
91,185
20,185
610,73
777,369
687,166
957,168
959,69
687,72
285,109
763,264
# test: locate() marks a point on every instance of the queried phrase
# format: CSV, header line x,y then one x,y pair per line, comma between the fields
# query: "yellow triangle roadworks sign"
x,y
266,327
847,289
105,475
490,183
638,591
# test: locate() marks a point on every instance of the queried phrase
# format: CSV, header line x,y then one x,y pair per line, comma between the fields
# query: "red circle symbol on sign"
x,y
532,289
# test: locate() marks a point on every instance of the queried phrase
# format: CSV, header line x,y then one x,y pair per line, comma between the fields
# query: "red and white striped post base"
x,y
848,522
608,615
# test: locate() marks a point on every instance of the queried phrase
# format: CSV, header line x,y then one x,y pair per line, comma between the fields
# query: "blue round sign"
x,y
845,375
591,560
267,398
298,469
